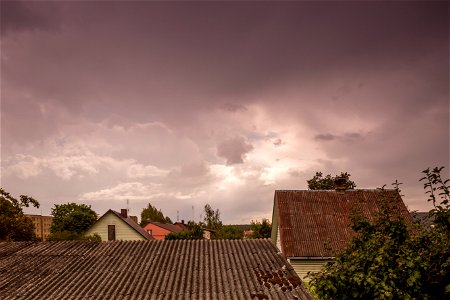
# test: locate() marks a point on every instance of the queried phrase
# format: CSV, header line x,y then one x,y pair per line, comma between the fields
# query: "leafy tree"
x,y
212,218
14,225
194,232
229,232
152,214
318,182
71,220
261,230
389,259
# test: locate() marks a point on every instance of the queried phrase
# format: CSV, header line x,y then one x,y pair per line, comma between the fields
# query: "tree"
x,y
389,259
152,214
14,225
229,232
318,182
212,218
71,220
261,230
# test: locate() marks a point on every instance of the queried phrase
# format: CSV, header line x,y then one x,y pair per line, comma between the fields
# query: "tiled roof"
x,y
170,227
315,223
132,224
179,269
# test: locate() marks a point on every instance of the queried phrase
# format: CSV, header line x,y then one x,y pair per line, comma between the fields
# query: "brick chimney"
x,y
124,213
340,184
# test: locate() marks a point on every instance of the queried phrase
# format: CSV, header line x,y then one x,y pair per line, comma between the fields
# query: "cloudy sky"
x,y
185,103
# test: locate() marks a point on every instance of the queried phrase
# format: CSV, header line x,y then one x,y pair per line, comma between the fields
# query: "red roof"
x,y
316,223
166,226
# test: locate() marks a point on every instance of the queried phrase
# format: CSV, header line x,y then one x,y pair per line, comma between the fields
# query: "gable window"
x,y
149,231
111,232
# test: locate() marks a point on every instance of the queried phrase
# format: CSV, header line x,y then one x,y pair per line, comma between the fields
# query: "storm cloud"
x,y
186,103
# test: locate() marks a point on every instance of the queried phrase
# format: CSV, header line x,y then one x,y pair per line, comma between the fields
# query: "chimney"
x,y
340,184
123,212
182,221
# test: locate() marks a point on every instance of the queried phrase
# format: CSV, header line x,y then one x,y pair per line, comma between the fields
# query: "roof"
x,y
130,223
179,269
167,226
316,223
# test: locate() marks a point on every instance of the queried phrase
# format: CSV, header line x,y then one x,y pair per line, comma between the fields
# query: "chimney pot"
x,y
124,213
340,183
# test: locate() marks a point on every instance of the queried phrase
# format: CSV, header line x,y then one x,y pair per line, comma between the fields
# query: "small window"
x,y
149,231
111,232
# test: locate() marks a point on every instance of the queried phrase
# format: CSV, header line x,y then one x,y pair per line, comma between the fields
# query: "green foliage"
x,y
261,230
229,232
318,182
212,218
152,214
71,235
389,259
14,225
71,220
194,232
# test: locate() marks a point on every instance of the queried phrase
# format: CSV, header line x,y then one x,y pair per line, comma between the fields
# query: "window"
x,y
149,231
111,232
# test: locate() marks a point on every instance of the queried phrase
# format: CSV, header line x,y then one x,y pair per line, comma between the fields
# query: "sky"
x,y
180,104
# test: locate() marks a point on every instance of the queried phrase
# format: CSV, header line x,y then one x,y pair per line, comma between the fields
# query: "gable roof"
x,y
179,269
316,223
130,222
167,226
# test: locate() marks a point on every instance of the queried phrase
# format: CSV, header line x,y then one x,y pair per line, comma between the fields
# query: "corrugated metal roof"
x,y
179,269
316,223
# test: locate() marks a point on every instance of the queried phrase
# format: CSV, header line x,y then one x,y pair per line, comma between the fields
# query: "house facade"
x,y
310,227
114,226
42,225
159,230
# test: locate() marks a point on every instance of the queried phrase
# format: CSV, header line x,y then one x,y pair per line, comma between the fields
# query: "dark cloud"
x,y
278,142
28,16
359,86
324,137
234,150
232,107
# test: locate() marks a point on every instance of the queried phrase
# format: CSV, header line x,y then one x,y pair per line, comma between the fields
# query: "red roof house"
x,y
311,227
159,230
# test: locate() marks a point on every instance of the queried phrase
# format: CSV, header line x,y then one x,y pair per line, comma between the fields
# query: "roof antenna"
x,y
128,206
193,215
178,215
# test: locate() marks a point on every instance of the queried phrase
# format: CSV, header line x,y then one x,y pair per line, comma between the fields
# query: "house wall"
x,y
158,233
123,230
303,266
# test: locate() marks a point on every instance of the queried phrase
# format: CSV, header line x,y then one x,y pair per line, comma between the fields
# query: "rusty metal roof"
x,y
316,223
179,269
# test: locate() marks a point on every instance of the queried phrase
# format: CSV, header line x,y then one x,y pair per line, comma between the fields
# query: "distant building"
x,y
159,230
114,226
42,225
311,227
